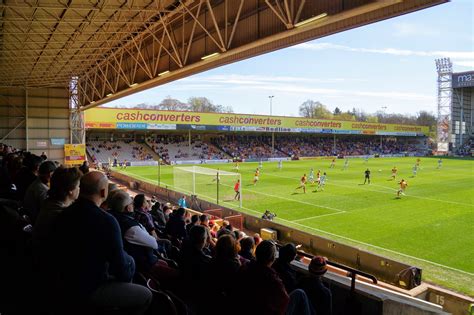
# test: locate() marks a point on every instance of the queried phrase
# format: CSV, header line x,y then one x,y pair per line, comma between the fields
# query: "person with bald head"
x,y
95,271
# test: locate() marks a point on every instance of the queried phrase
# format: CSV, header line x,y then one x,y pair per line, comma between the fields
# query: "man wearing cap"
x,y
37,192
318,294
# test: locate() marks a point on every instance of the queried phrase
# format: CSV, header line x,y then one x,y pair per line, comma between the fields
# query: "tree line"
x,y
194,104
315,109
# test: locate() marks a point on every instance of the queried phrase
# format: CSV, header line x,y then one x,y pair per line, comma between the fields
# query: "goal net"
x,y
206,183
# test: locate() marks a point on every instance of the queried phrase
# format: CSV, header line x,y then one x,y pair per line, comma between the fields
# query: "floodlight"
x,y
314,18
210,56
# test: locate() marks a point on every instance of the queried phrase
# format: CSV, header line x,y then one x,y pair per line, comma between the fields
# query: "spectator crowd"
x,y
95,250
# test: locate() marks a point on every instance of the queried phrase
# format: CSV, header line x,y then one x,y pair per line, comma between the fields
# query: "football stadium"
x,y
181,209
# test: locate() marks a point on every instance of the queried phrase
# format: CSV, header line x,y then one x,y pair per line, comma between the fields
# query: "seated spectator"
x,y
137,241
94,270
63,191
247,248
194,265
112,189
319,295
158,216
176,226
225,262
84,168
204,221
10,166
27,174
282,266
257,239
260,286
194,221
37,192
142,214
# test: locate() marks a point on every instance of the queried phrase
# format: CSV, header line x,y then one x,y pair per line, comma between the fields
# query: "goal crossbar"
x,y
215,184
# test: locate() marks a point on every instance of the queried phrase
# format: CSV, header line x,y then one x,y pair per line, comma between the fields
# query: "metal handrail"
x,y
351,272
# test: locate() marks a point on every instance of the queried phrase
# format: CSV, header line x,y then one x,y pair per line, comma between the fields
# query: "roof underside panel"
x,y
115,48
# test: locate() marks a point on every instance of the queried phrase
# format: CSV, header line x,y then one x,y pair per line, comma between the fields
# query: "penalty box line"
x,y
383,192
339,211
363,243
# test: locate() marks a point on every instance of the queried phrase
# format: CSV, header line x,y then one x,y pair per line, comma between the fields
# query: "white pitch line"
x,y
294,200
318,216
346,238
383,192
365,244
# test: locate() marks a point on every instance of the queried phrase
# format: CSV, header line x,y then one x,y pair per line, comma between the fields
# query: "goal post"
x,y
207,183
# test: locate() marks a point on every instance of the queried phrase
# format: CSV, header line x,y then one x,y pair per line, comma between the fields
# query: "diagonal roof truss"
x,y
118,47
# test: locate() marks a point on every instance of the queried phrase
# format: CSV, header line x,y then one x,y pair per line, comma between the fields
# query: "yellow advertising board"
x,y
74,154
115,118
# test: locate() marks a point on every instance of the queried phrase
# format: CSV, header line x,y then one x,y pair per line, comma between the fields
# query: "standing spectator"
x,y
319,295
43,156
282,266
182,202
37,192
90,250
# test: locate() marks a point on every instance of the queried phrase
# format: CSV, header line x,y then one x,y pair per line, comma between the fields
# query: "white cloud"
x,y
262,79
404,29
455,55
465,63
289,85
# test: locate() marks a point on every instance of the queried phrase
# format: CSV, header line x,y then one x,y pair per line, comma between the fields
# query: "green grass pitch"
x,y
432,226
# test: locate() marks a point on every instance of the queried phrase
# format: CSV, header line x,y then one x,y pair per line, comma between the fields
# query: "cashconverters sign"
x,y
136,119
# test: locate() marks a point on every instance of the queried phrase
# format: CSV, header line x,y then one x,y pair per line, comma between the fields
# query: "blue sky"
x,y
387,64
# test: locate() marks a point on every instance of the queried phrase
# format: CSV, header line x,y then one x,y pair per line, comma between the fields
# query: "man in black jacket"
x,y
176,226
95,271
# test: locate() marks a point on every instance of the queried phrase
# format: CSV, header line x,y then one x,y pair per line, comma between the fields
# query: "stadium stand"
x,y
348,146
118,151
176,148
246,147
